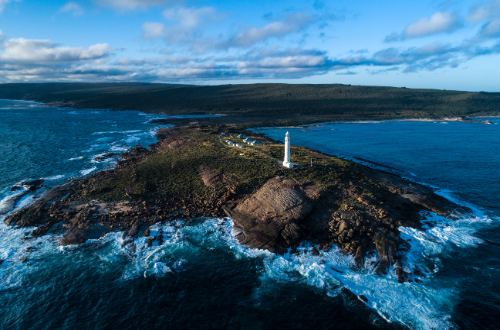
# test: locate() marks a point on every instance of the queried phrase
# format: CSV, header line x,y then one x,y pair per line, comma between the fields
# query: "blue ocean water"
x,y
463,162
202,278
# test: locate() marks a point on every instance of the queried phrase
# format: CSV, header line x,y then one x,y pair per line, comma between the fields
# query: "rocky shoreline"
x,y
188,175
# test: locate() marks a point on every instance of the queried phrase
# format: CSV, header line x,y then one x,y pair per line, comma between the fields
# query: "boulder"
x,y
272,213
292,233
73,236
359,259
134,231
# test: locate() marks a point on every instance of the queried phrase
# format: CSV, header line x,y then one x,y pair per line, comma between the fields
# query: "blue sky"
x,y
423,44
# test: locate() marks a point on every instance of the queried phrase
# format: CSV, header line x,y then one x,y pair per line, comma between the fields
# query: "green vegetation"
x,y
265,104
174,172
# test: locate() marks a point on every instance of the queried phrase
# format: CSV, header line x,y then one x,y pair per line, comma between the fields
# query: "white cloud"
x,y
124,5
187,26
72,7
4,2
439,22
192,17
484,12
252,35
152,30
32,50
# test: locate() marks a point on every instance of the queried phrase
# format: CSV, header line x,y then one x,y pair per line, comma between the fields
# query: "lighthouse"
x,y
286,161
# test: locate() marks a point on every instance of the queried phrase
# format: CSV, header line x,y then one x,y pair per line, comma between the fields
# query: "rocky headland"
x,y
191,174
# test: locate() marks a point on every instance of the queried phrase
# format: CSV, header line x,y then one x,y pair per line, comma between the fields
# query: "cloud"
x,y
4,2
437,23
126,5
152,30
485,12
187,27
44,51
72,7
24,60
192,17
184,26
292,23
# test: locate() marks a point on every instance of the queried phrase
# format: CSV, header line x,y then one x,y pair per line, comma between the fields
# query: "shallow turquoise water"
x,y
201,278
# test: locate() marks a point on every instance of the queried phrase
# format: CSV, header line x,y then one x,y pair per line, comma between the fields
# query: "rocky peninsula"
x,y
191,173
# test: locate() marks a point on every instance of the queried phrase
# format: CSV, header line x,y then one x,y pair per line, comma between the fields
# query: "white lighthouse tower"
x,y
286,161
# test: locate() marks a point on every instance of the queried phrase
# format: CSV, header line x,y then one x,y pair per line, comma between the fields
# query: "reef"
x,y
191,174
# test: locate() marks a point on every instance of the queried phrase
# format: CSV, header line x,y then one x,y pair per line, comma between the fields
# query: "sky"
x,y
453,45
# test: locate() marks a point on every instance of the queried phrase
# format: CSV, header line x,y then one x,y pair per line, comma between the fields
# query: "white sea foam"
x,y
54,177
88,171
118,149
427,305
76,158
132,140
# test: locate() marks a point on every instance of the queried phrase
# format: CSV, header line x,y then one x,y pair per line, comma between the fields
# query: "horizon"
x,y
443,45
239,83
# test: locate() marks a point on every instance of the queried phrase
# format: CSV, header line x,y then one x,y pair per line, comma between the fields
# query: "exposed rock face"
x,y
272,214
210,177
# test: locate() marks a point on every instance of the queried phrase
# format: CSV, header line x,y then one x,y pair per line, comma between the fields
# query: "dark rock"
x,y
399,272
362,297
23,260
73,236
33,185
380,240
100,158
338,271
147,232
15,187
291,233
315,252
359,259
418,272
134,231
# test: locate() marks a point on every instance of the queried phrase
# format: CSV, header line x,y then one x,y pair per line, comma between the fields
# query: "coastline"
x,y
130,236
88,207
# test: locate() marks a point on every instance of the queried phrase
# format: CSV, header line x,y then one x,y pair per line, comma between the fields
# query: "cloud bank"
x,y
191,52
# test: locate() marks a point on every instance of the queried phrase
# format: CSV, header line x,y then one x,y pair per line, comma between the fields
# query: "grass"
x,y
174,172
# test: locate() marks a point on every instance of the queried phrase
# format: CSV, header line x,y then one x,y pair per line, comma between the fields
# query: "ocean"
x,y
201,278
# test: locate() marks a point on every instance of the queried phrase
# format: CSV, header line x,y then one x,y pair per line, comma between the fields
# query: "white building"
x,y
286,161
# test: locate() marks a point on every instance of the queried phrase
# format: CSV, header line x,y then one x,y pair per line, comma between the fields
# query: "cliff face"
x,y
190,174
